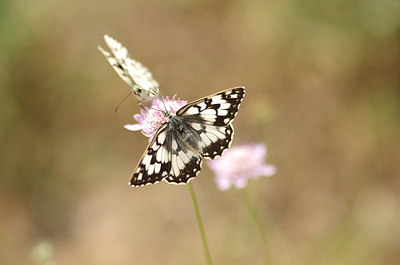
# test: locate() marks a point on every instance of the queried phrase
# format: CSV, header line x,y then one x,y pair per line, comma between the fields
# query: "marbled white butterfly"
x,y
200,129
137,76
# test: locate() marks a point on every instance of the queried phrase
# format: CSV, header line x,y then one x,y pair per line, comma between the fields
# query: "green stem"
x,y
253,213
256,219
200,223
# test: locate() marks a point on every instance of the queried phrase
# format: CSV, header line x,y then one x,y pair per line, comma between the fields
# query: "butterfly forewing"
x,y
155,163
210,118
136,75
201,129
218,109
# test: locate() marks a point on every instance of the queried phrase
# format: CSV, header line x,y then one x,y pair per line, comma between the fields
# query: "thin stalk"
x,y
257,221
200,223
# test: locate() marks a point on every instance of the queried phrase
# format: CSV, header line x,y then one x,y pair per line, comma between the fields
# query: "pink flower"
x,y
239,164
151,118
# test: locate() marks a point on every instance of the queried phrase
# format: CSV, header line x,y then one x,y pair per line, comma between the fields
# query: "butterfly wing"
x,y
210,118
218,109
185,162
136,75
167,158
205,130
155,163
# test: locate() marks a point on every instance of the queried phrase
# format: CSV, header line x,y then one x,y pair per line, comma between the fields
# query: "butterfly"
x,y
135,74
200,129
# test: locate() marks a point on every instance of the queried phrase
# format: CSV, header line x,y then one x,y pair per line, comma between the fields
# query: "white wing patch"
x,y
135,74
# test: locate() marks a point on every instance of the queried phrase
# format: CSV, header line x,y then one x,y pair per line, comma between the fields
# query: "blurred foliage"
x,y
323,92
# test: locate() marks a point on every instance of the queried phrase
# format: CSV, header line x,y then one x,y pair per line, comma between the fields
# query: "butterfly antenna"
x,y
160,95
155,109
116,109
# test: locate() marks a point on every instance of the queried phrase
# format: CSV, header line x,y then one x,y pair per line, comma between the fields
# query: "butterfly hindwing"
x,y
185,162
167,158
215,140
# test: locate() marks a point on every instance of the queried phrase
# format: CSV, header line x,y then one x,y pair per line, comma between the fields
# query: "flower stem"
x,y
256,219
200,223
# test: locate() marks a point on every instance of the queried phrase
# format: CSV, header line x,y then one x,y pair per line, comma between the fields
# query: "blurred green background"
x,y
323,92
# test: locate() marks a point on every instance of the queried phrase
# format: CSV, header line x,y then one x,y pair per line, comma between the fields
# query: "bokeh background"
x,y
323,92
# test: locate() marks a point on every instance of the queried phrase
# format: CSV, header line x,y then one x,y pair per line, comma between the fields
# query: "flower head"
x,y
239,164
150,119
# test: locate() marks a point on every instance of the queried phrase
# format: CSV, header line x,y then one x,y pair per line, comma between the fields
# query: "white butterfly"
x,y
200,129
137,76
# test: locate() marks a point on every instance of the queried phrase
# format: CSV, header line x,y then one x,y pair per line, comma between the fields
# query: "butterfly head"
x,y
168,115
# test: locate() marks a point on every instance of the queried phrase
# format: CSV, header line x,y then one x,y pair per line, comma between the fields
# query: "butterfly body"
x,y
178,126
200,129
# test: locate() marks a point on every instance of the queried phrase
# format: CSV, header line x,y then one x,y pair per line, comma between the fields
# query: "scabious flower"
x,y
151,118
239,164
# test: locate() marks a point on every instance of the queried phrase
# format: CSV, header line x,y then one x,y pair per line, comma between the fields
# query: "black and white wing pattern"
x,y
210,118
136,75
200,129
166,158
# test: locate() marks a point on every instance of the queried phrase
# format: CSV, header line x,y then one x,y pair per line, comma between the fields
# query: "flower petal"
x,y
139,118
268,170
230,169
240,183
223,183
133,127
